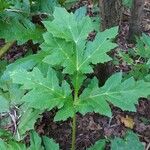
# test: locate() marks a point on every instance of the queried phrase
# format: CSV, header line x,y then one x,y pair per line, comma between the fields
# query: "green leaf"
x,y
88,104
148,78
4,133
2,145
143,46
13,145
50,144
68,3
28,120
126,58
127,3
66,111
23,6
35,142
26,63
3,5
148,63
15,30
80,13
4,105
99,145
15,94
3,65
139,71
66,39
66,26
44,92
121,94
16,23
146,39
130,141
46,6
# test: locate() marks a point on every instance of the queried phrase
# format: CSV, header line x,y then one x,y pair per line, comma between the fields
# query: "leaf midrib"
x,y
51,89
91,54
109,93
66,55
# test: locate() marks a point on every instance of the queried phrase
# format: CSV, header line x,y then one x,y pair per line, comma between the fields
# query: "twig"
x,y
13,118
146,9
5,48
15,10
110,121
148,147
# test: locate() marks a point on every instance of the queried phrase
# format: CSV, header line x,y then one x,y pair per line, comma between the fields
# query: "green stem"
x,y
5,48
73,133
74,123
30,1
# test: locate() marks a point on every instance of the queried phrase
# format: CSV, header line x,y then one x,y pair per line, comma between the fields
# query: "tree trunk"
x,y
135,20
110,13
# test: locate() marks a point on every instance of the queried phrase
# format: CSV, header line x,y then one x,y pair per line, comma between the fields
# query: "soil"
x,y
92,126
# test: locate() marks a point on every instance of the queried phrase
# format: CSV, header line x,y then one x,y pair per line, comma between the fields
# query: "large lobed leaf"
x,y
16,24
27,120
17,30
66,38
121,94
27,63
44,91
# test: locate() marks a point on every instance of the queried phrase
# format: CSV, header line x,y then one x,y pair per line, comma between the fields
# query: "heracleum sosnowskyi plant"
x,y
66,46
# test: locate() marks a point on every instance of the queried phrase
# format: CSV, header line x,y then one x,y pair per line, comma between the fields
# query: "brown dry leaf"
x,y
128,122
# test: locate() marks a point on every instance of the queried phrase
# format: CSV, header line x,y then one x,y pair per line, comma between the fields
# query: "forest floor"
x,y
93,127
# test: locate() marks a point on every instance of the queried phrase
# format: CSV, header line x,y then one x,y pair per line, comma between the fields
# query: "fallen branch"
x,y
148,146
5,48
